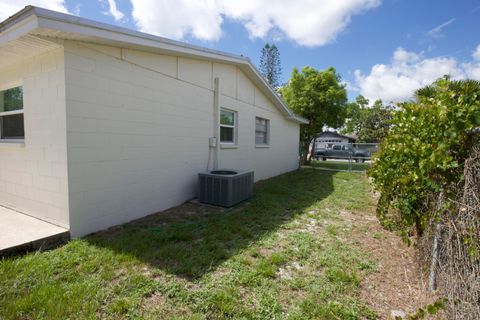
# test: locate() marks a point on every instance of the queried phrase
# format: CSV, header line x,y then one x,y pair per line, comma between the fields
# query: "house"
x,y
326,139
101,125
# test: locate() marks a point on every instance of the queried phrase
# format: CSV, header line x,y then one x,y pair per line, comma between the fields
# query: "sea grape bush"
x,y
425,150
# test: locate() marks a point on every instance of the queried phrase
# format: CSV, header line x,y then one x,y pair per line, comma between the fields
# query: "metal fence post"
x,y
349,161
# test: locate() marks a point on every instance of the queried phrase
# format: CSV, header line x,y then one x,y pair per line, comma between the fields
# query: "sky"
x,y
383,49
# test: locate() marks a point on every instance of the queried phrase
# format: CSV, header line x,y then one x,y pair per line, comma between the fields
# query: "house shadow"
x,y
192,239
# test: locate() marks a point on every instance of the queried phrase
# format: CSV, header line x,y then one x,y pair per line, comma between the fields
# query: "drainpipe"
x,y
216,120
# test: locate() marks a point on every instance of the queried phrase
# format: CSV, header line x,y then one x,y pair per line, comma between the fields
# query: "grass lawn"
x,y
284,254
340,165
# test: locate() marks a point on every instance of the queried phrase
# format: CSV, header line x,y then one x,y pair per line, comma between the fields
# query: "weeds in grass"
x,y
277,256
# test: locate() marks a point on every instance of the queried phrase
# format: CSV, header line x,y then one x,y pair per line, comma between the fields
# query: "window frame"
x,y
5,87
267,124
234,127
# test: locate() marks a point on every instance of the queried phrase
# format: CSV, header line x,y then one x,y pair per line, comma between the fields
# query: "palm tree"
x,y
465,88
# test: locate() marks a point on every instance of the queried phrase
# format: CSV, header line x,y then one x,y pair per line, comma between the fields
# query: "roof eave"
x,y
299,119
34,19
15,19
18,25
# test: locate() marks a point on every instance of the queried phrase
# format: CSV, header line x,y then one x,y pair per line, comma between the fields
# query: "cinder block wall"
x,y
138,126
33,175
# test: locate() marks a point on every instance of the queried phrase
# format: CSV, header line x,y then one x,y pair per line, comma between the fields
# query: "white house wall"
x,y
33,175
138,126
281,155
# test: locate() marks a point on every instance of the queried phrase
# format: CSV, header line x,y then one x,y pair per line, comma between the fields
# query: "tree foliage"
x,y
270,66
368,124
425,150
318,96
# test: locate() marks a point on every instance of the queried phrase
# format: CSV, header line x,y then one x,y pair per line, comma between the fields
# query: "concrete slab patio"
x,y
21,233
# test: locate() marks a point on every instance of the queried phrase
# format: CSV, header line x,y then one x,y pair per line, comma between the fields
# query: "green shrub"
x,y
425,151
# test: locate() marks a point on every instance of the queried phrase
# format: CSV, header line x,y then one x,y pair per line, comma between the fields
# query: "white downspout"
x,y
216,121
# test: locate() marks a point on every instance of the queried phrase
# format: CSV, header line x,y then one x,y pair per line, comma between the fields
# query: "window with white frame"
x,y
11,114
262,128
228,126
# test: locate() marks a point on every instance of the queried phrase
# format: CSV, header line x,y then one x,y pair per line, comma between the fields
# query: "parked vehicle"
x,y
345,151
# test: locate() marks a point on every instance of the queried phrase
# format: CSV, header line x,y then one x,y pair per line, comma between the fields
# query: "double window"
x,y
228,126
11,114
262,128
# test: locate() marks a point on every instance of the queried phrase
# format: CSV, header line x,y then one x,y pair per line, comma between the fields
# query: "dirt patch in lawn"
x,y
397,283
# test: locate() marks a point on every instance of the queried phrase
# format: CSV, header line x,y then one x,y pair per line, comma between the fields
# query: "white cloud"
x,y
402,56
77,9
410,71
307,22
10,7
476,54
114,12
175,19
437,31
472,69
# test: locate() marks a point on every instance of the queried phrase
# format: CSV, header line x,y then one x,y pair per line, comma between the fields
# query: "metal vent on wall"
x,y
225,188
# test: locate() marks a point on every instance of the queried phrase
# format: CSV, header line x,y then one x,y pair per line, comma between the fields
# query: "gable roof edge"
x,y
48,19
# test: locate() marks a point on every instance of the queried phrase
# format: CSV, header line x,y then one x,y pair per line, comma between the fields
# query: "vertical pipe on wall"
x,y
216,120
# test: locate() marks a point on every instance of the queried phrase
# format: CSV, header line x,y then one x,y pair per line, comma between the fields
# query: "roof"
x,y
335,134
47,23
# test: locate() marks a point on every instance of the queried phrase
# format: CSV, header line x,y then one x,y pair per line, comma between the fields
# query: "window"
x,y
11,114
228,126
261,131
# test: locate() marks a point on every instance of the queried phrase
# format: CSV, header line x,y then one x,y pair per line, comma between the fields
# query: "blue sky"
x,y
382,48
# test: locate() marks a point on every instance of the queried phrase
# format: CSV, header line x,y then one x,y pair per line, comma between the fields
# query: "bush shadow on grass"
x,y
192,240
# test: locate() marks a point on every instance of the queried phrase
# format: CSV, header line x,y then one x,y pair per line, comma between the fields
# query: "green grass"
x,y
340,165
281,255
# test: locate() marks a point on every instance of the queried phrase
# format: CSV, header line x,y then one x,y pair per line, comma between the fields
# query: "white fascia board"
x,y
36,20
19,29
274,97
101,31
299,119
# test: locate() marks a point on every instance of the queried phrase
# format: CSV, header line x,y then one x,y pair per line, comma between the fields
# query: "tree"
x,y
318,96
270,66
353,115
369,124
